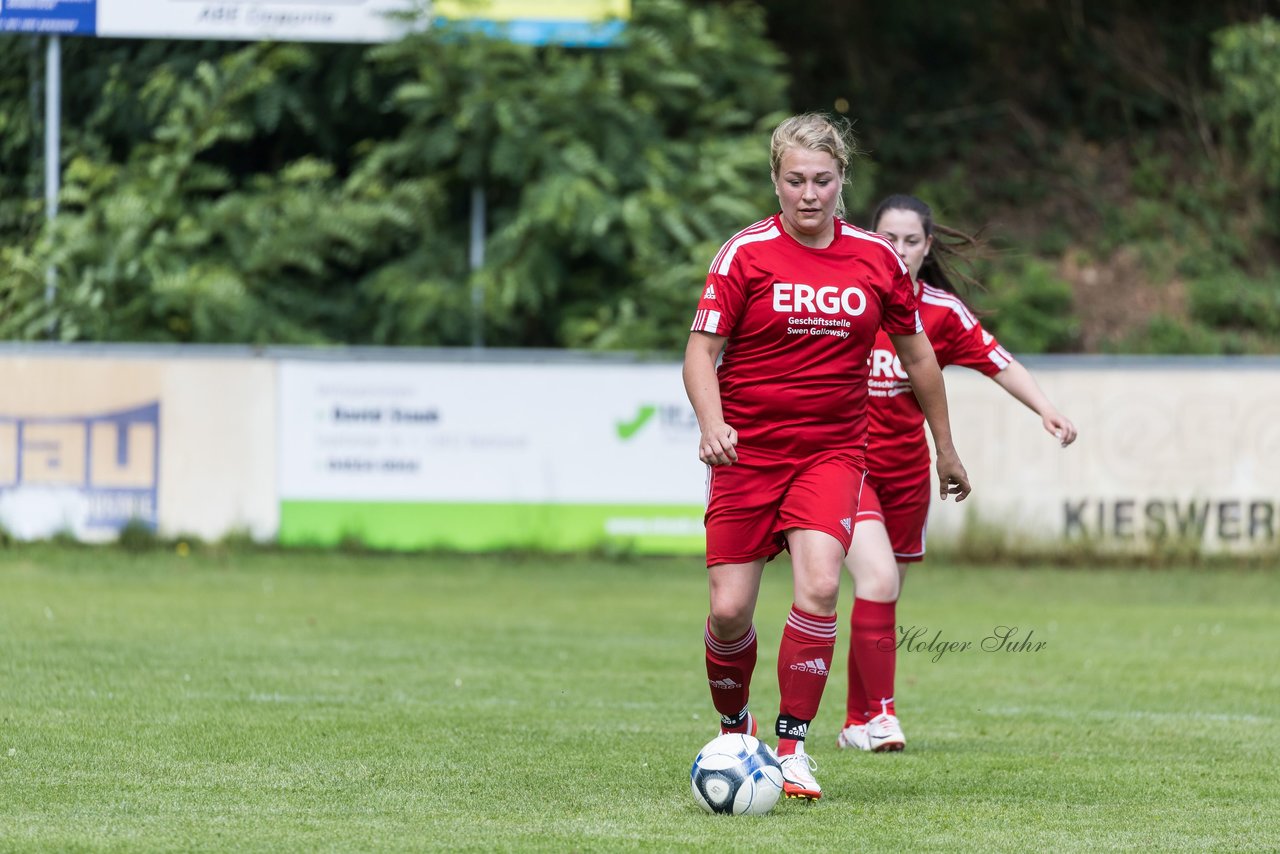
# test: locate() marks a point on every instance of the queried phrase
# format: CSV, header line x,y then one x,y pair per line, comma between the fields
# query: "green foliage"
x,y
1163,334
216,192
1246,60
20,136
138,536
610,176
1236,301
174,245
1184,214
1029,309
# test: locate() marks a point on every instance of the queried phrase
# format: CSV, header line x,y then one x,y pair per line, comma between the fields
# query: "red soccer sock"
x,y
856,702
729,668
874,647
804,662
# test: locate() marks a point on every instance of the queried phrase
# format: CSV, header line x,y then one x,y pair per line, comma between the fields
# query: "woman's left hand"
x,y
1060,427
952,478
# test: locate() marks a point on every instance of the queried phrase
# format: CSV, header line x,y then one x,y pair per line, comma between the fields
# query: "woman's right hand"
x,y
718,446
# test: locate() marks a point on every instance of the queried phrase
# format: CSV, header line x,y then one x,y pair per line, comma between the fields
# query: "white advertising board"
x,y
279,20
422,452
489,455
1169,450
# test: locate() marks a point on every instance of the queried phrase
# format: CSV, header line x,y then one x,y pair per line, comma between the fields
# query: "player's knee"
x,y
729,628
821,595
729,619
880,587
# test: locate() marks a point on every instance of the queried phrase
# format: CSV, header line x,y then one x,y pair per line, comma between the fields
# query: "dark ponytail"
x,y
952,254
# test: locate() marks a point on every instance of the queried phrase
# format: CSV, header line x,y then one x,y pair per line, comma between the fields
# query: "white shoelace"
x,y
809,761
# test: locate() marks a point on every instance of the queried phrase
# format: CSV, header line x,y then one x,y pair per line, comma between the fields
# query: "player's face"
x,y
905,231
808,187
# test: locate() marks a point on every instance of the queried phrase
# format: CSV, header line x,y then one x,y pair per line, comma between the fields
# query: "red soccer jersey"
x,y
896,445
801,323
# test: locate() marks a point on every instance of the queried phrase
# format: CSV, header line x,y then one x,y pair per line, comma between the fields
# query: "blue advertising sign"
x,y
88,474
49,17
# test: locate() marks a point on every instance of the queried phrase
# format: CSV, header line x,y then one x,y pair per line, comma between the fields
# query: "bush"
x,y
1163,334
137,536
1030,309
1234,300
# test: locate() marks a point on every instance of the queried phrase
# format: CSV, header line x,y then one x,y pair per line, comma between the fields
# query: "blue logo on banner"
x,y
50,17
540,31
86,474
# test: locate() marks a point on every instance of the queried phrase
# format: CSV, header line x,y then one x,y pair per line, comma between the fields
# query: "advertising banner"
x,y
590,23
84,474
49,17
90,443
418,451
1172,451
252,20
485,456
560,456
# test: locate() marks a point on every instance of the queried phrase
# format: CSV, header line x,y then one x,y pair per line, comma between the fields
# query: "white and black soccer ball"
x,y
737,774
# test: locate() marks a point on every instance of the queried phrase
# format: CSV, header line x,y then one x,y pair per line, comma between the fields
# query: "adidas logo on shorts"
x,y
848,525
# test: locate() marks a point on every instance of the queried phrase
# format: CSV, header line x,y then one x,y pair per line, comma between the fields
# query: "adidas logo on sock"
x,y
725,684
813,665
792,728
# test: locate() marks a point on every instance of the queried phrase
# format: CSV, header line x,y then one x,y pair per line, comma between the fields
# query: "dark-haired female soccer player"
x,y
894,504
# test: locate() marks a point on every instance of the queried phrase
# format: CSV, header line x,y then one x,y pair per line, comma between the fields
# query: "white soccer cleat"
x,y
853,737
884,733
797,775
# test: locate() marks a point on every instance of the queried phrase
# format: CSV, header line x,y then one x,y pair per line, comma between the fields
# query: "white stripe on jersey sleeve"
x,y
1001,357
854,231
943,299
725,259
706,321
731,242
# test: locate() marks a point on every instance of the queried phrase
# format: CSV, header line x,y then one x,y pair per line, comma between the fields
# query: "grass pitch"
x,y
330,702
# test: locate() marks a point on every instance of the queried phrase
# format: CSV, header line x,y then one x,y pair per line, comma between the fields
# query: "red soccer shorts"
x,y
750,503
902,505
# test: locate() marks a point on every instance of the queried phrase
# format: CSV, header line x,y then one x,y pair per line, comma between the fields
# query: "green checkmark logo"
x,y
627,429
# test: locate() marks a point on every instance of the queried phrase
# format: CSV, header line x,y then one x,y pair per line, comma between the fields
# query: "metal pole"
x,y
52,148
477,261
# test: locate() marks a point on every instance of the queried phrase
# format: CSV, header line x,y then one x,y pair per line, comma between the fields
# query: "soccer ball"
x,y
737,774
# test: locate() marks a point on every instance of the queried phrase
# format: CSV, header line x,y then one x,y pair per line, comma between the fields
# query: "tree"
x,y
611,176
1246,59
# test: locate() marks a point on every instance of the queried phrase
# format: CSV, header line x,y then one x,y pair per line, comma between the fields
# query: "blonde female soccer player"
x,y
794,303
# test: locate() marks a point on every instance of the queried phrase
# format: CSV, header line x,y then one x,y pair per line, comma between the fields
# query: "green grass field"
x,y
331,702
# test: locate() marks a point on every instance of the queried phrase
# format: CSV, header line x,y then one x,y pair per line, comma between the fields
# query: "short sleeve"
x,y
721,302
901,315
962,340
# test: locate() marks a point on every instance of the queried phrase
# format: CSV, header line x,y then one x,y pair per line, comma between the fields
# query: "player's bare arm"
x,y
921,366
1017,380
717,445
